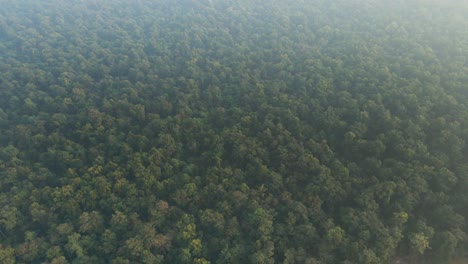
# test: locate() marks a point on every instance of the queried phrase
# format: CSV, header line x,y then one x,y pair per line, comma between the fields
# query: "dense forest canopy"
x,y
233,131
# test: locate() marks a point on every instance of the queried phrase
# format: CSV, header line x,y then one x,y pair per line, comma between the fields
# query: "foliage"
x,y
196,131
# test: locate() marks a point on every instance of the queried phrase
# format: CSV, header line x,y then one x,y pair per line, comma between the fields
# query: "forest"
x,y
233,131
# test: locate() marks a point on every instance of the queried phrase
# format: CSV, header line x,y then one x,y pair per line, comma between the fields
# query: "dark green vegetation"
x,y
233,131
